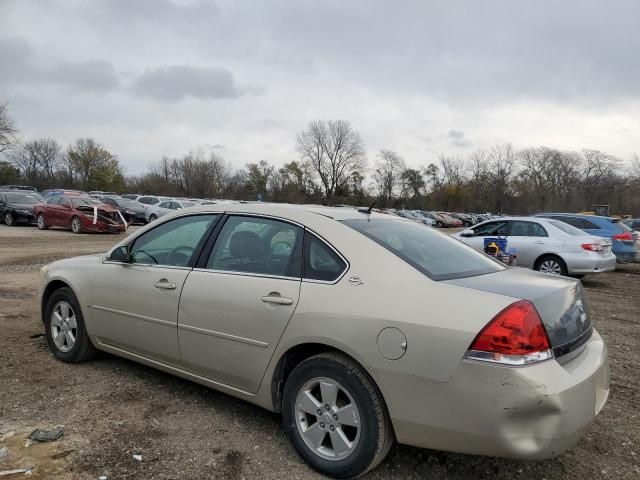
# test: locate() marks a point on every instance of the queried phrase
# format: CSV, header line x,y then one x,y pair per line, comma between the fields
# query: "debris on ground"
x,y
36,335
137,458
47,435
4,452
26,471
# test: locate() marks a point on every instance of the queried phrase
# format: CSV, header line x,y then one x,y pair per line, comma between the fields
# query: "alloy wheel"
x,y
41,223
327,418
550,266
64,327
9,220
75,225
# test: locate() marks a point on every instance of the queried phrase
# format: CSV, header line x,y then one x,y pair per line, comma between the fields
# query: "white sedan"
x,y
546,245
153,212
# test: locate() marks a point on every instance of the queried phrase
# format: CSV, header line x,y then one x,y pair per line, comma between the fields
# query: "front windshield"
x,y
435,254
22,198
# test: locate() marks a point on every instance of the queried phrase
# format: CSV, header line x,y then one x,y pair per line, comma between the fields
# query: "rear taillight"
x,y
516,336
628,236
592,247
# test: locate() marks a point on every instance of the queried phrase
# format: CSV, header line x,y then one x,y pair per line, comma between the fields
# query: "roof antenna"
x,y
367,210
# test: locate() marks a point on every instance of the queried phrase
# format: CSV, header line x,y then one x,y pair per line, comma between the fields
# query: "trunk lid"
x,y
560,302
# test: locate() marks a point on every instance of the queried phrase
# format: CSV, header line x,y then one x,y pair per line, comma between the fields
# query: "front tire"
x,y
439,224
76,225
152,218
9,220
42,224
65,329
552,265
335,417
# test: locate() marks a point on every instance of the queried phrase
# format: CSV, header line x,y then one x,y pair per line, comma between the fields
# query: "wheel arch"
x,y
52,286
540,257
297,354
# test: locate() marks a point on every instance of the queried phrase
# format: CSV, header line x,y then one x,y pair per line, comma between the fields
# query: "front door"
x,y
235,307
134,306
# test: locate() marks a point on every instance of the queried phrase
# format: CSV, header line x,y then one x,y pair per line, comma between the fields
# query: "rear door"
x,y
529,239
237,303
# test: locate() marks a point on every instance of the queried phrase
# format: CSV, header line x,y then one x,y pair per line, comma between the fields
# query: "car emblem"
x,y
355,281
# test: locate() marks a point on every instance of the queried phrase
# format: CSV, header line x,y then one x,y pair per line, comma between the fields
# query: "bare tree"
x,y
335,151
387,175
8,130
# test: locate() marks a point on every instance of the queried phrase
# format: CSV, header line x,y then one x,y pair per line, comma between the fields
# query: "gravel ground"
x,y
113,408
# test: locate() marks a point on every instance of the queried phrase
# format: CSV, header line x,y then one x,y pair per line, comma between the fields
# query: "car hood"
x,y
101,208
560,302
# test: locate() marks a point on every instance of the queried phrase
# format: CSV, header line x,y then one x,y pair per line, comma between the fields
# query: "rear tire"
x,y
42,225
9,221
552,265
439,224
356,418
76,225
65,329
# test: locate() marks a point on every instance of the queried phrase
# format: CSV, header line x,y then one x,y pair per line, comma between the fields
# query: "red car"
x,y
79,213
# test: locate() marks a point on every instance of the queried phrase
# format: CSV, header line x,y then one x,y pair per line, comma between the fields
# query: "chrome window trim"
x,y
335,250
153,265
246,274
141,232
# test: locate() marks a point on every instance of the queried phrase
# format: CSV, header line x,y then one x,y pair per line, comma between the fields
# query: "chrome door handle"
x,y
165,285
539,242
277,300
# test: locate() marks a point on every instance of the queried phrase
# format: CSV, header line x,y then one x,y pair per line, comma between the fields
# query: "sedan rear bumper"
x,y
529,412
589,262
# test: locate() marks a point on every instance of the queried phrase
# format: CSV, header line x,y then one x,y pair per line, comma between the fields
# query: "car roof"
x,y
291,211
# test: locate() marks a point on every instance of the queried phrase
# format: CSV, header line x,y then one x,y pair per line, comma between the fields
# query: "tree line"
x,y
332,168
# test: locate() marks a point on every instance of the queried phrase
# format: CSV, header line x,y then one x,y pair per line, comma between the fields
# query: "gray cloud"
x,y
456,134
23,68
176,82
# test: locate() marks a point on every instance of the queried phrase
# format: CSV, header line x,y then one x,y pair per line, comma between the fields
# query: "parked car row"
x,y
440,219
81,212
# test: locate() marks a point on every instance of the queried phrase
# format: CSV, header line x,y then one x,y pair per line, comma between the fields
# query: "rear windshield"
x,y
566,228
435,254
621,225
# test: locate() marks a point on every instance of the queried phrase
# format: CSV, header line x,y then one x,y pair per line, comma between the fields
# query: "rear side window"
x,y
527,229
320,261
433,253
54,200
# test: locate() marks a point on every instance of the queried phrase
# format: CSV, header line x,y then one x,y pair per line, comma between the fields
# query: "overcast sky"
x,y
154,77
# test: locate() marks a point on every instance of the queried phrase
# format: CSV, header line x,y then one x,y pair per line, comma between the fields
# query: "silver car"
x,y
153,212
360,328
546,245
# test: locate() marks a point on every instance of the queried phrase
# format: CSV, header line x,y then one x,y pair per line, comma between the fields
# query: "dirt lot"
x,y
112,408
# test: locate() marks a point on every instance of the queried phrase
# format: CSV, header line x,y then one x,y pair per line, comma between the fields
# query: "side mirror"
x,y
121,254
467,233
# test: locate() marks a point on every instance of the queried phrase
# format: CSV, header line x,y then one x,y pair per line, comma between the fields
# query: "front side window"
x,y
54,200
435,254
491,228
258,245
320,261
173,243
